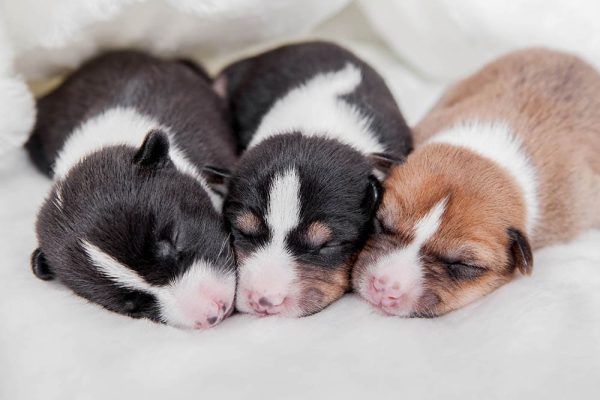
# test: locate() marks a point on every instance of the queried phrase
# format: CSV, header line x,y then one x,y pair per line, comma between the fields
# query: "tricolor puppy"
x,y
505,163
132,222
317,125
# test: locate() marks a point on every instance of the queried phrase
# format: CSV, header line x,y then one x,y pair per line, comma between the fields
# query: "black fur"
x,y
337,185
255,84
520,251
131,202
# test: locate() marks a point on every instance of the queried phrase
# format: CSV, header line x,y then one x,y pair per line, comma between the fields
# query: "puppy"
x,y
318,126
505,163
132,222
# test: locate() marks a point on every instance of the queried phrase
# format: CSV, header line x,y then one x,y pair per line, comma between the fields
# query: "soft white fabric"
x,y
446,39
17,110
50,36
536,338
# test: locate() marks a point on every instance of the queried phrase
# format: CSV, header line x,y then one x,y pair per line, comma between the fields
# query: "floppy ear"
x,y
521,251
40,266
374,195
382,163
154,151
217,178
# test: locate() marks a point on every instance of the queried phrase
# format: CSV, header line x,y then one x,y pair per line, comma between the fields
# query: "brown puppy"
x,y
507,161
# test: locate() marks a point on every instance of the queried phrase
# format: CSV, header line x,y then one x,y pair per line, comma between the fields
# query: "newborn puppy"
x,y
505,163
318,125
131,223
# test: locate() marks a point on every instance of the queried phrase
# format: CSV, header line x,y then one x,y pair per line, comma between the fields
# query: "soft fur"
x,y
131,222
512,153
315,116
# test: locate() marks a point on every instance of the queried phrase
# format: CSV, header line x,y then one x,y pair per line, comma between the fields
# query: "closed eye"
x,y
461,271
329,248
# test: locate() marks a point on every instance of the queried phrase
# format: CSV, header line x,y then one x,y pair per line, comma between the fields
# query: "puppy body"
x,y
132,221
506,162
311,118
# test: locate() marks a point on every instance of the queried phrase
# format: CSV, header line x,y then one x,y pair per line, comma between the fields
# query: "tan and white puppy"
x,y
508,161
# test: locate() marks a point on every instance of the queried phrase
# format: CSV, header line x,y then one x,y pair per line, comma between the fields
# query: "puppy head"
x,y
449,230
127,230
299,209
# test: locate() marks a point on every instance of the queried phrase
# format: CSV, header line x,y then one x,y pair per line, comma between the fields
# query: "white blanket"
x,y
536,338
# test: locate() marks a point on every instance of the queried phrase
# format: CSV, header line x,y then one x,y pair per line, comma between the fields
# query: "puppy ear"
x,y
521,251
219,85
40,266
374,195
154,152
217,178
383,162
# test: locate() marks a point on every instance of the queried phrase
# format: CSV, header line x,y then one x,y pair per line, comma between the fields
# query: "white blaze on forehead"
x,y
270,270
283,213
192,293
316,108
429,224
122,126
496,142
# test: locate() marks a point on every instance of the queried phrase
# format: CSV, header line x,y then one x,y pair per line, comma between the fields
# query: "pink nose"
x,y
267,303
386,291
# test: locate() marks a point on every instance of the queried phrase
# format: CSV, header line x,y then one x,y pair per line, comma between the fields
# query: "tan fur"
x,y
551,101
318,233
321,287
247,222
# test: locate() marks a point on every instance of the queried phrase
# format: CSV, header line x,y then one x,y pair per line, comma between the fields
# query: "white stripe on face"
x,y
269,271
316,108
122,126
401,270
188,301
115,271
283,213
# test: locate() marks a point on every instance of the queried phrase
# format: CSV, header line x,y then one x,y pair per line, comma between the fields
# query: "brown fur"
x,y
321,287
551,101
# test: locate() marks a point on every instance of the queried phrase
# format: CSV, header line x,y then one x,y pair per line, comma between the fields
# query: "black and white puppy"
x,y
319,127
132,222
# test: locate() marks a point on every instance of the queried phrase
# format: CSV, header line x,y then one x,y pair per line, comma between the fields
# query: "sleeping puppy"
x,y
505,163
317,125
132,222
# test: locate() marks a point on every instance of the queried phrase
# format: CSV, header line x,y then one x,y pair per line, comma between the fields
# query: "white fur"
x,y
497,142
316,108
193,296
270,271
122,126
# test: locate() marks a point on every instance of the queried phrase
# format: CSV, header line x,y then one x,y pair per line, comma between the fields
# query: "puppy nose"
x,y
212,316
267,303
386,290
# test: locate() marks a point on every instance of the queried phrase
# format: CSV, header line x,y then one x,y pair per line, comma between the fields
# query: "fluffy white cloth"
x,y
48,37
536,338
447,39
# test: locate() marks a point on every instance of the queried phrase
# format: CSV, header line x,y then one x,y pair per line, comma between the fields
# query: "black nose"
x,y
212,320
263,301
